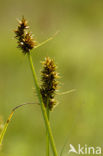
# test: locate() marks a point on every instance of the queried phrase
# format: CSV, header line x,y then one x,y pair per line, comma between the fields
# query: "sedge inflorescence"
x,y
24,38
49,83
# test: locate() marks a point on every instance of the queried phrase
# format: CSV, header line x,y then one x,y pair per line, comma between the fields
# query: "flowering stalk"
x,y
48,87
26,44
47,124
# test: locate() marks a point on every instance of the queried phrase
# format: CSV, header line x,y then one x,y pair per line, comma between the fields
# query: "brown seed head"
x,y
49,82
24,39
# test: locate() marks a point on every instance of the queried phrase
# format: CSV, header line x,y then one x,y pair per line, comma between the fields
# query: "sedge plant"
x,y
46,91
26,43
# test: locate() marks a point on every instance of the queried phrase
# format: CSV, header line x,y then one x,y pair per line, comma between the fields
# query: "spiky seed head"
x,y
24,39
49,82
23,24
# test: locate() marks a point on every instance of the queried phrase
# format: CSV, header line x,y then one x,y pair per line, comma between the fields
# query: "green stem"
x,y
47,136
47,125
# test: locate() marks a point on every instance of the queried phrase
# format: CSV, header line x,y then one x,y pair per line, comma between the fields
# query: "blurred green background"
x,y
78,52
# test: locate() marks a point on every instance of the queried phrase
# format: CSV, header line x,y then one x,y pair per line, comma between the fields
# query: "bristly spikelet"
x,y
49,82
24,39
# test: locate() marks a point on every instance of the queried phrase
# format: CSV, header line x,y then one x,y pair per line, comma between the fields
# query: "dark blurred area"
x,y
78,53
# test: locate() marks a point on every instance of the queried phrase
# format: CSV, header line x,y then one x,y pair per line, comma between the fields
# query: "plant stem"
x,y
47,125
47,136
